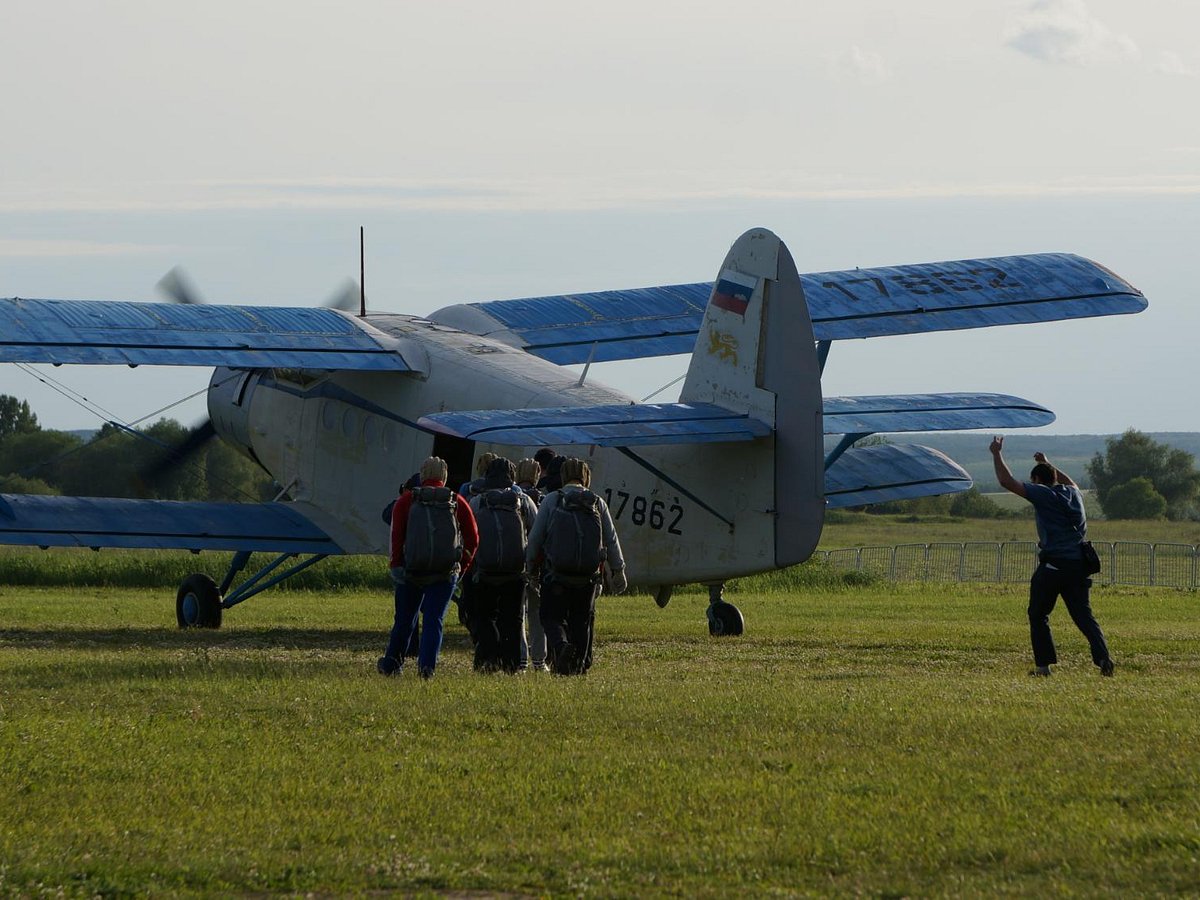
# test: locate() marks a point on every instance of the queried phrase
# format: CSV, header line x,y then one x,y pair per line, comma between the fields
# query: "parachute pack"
x,y
574,540
432,542
502,535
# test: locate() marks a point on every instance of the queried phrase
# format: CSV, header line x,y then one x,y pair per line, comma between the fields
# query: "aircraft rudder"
x,y
755,354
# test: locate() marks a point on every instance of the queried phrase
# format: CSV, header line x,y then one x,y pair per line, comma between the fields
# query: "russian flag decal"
x,y
733,291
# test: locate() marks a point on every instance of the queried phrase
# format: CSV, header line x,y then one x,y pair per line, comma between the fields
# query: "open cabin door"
x,y
459,454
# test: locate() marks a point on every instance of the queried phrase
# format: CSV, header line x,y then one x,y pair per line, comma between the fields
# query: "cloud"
x,y
653,189
1065,32
1171,63
17,248
864,66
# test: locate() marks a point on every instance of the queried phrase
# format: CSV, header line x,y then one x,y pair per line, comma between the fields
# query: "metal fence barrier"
x,y
1121,562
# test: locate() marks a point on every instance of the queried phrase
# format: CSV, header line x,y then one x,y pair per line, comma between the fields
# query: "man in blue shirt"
x,y
1062,527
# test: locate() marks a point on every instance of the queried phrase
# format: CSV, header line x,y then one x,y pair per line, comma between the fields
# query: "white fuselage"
x,y
342,443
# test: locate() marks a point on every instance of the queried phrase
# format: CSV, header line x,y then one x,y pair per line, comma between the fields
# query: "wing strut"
x,y
844,444
252,585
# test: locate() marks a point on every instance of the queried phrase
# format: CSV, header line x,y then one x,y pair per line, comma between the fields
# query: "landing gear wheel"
x,y
198,603
724,619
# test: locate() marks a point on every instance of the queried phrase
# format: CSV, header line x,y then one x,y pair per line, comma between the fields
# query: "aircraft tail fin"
x,y
755,355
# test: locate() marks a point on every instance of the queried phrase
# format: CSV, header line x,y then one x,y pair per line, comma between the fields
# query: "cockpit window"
x,y
303,378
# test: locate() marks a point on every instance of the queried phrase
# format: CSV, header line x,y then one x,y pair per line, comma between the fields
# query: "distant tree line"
x,y
119,462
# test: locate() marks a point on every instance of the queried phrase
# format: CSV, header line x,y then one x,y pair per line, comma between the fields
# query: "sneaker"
x,y
1040,672
540,667
425,672
388,665
1106,668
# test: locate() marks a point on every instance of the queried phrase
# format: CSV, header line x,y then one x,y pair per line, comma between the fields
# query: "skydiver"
x,y
573,538
426,561
551,479
1062,529
505,516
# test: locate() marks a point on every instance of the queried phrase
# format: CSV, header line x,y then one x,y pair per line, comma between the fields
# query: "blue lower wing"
x,y
623,425
44,521
891,472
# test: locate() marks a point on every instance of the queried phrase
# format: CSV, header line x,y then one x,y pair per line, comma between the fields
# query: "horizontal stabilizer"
x,y
858,303
891,472
619,425
930,412
112,332
47,521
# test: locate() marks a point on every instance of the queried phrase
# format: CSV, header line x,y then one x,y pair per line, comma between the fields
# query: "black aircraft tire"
x,y
198,603
725,620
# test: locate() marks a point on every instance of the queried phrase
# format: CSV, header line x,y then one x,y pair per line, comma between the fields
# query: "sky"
x,y
527,148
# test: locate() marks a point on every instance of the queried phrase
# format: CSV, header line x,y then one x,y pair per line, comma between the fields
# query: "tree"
x,y
16,417
45,455
1135,499
1171,472
19,484
231,476
971,504
116,462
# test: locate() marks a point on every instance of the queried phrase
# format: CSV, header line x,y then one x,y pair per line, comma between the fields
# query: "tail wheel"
x,y
198,603
725,619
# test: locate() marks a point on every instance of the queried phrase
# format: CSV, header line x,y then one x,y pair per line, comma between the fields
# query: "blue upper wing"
x,y
970,293
623,425
602,326
930,412
169,334
660,321
45,521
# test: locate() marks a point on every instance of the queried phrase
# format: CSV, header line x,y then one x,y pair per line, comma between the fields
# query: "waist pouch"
x,y
573,580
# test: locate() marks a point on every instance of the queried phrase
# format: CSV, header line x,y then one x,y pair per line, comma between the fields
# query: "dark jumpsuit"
x,y
1062,525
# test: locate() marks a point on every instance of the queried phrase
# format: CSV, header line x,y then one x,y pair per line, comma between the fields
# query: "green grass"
x,y
860,738
857,529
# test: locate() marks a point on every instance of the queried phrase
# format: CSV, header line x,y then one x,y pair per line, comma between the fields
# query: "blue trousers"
x,y
1070,581
430,601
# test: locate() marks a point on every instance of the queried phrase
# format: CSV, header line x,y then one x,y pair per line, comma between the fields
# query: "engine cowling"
x,y
229,395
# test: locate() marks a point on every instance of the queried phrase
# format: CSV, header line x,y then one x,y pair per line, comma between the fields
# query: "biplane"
x,y
732,479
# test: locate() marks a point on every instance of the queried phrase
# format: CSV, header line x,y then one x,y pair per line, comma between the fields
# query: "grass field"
x,y
850,529
860,738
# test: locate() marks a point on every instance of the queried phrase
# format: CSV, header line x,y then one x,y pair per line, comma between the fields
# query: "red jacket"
x,y
462,511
